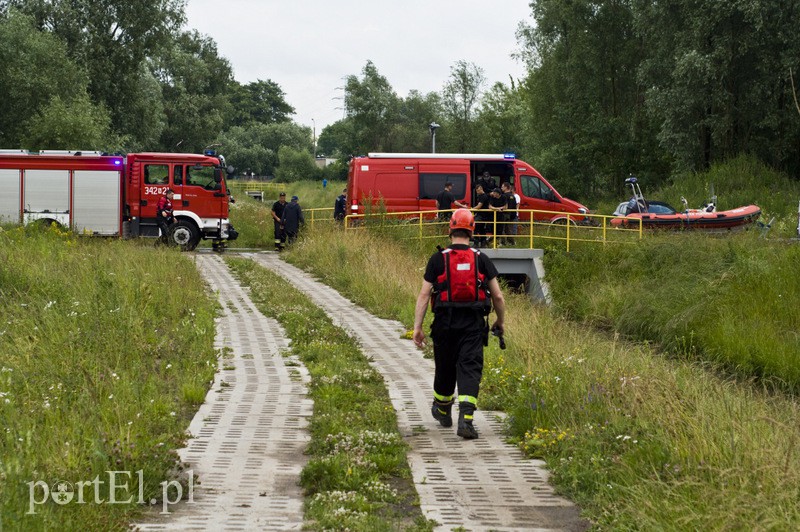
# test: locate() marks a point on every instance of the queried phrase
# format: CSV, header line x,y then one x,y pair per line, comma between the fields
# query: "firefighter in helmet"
x,y
461,285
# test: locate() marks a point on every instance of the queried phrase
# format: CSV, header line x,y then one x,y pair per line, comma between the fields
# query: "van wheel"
x,y
185,235
563,221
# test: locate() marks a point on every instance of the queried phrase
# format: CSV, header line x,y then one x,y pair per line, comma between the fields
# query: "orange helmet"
x,y
462,219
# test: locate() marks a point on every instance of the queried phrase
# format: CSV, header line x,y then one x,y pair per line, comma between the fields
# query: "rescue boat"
x,y
660,215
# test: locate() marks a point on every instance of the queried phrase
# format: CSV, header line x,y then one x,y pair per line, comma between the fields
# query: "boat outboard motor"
x,y
637,203
711,206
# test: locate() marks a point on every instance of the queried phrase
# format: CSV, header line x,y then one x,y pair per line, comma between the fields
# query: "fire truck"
x,y
110,195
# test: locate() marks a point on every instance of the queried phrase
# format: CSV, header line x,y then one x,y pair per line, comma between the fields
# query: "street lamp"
x,y
433,126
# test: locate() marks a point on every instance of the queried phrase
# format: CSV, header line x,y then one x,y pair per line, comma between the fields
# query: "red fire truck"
x,y
111,195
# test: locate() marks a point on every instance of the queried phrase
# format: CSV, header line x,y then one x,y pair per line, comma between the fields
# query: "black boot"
x,y
441,412
465,428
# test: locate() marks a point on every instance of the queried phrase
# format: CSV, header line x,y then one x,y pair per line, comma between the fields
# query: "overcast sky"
x,y
309,46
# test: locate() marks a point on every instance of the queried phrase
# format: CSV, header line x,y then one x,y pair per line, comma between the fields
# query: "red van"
x,y
411,181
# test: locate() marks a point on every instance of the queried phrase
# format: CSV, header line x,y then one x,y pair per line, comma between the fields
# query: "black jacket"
x,y
292,217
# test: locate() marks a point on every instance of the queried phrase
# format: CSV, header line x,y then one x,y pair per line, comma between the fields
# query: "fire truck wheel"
x,y
185,235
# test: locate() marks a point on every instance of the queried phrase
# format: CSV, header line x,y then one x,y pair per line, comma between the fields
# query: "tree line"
x,y
613,87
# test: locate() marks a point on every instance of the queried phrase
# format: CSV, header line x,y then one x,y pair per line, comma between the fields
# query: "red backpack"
x,y
461,285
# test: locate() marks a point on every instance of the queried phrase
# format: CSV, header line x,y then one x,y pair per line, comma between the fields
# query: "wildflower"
x,y
111,396
172,414
49,304
169,366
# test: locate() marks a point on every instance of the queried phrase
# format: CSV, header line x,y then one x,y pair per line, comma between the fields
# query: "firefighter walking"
x,y
277,214
461,285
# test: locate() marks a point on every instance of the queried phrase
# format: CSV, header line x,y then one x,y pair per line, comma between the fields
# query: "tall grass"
x,y
253,220
106,347
733,301
639,440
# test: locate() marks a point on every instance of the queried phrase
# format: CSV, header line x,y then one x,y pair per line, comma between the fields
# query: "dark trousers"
x,y
280,236
164,225
458,355
480,232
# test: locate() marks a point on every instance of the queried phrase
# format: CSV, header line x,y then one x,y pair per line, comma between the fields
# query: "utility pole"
x,y
433,126
314,129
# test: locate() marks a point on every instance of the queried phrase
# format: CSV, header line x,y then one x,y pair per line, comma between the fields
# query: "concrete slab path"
x,y
480,485
249,436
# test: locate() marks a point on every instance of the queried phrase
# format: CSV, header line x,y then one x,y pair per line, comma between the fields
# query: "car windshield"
x,y
659,208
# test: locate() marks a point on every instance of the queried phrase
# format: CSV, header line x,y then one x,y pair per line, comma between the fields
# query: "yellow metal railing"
x,y
256,186
431,225
319,214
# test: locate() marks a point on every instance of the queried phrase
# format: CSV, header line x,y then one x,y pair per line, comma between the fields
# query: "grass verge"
x,y
357,478
106,348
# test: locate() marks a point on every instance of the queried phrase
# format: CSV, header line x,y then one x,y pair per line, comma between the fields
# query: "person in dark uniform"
x,y
487,181
481,203
497,203
510,213
445,201
292,219
340,206
164,214
277,213
460,307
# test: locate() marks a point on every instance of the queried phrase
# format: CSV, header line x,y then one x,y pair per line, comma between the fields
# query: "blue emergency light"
x,y
509,156
210,153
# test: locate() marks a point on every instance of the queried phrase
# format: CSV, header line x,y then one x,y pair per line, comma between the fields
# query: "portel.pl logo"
x,y
88,491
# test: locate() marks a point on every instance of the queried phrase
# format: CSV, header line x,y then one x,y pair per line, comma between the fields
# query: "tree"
x,y
501,124
587,125
415,113
460,98
295,165
338,139
35,70
256,146
372,106
718,79
194,82
77,125
259,101
112,39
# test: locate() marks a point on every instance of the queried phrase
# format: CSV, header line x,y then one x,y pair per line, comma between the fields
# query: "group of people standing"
x,y
287,218
488,197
